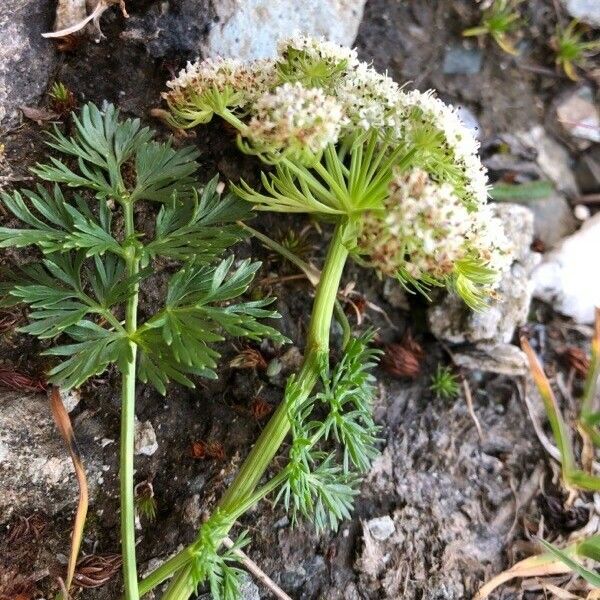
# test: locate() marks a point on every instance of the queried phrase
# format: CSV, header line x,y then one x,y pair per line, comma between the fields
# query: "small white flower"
x,y
243,82
368,97
416,109
319,50
426,230
295,120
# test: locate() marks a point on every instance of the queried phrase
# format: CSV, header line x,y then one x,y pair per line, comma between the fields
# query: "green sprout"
x,y
499,20
572,52
61,98
396,176
85,290
444,383
145,503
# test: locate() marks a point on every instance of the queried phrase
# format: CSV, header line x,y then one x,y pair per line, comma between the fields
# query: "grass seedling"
x,y
572,51
589,417
396,176
85,289
444,383
62,98
499,21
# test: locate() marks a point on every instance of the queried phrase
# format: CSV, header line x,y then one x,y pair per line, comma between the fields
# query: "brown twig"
x,y
257,571
470,408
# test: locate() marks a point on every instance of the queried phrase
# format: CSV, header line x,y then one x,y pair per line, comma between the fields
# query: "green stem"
x,y
240,495
128,420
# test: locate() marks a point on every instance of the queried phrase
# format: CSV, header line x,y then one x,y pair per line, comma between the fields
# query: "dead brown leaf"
x,y
39,115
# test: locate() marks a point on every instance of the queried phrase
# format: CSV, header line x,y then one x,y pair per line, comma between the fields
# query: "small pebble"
x,y
381,528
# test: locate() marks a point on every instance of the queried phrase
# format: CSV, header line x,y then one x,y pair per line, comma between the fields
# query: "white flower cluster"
x,y
426,230
417,109
295,120
244,82
318,93
319,50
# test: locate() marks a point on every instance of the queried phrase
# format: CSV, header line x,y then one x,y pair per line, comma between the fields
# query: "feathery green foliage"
x,y
320,482
84,293
79,287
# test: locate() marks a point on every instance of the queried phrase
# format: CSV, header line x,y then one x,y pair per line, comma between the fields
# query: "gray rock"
x,y
584,10
381,528
248,590
552,219
251,28
459,60
35,468
70,399
493,358
453,322
578,114
567,277
145,439
552,158
26,59
587,171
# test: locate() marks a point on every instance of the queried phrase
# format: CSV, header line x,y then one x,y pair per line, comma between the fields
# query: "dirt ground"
x,y
463,506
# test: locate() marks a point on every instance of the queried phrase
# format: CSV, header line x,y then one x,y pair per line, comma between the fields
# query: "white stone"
x,y
552,159
381,528
584,10
493,358
145,438
568,276
579,115
248,29
70,399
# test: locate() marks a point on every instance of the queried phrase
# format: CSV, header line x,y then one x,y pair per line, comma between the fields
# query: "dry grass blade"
x,y
557,424
63,423
534,566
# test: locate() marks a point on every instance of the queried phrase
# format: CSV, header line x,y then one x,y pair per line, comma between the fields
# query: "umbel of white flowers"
x,y
431,226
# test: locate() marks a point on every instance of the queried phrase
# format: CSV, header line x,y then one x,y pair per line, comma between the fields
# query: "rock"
x,y
70,399
567,279
587,11
381,528
582,212
587,171
453,322
395,294
248,590
552,158
26,59
192,510
505,359
35,468
579,116
145,439
552,219
459,60
176,28
247,29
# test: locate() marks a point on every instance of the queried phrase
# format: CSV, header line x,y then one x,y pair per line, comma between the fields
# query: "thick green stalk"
x,y
269,442
128,420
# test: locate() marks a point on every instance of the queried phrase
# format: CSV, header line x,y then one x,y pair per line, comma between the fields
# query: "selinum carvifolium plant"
x,y
396,175
119,210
